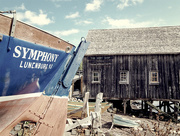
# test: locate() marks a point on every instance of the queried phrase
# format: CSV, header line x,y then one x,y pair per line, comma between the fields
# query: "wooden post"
x,y
125,105
150,111
160,105
98,102
70,92
85,106
97,110
165,106
175,111
146,107
82,90
72,87
142,105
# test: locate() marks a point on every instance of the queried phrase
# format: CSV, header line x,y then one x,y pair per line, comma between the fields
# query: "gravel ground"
x,y
106,120
147,127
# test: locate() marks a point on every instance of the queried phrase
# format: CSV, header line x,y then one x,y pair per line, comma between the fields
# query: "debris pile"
x,y
75,99
89,123
24,128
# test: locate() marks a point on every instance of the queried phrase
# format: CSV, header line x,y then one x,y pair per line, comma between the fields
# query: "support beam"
x,y
160,105
166,114
142,105
150,110
164,106
97,122
175,111
146,107
125,105
85,109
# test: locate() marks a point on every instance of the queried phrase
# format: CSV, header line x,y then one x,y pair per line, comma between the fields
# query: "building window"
x,y
154,79
124,77
96,77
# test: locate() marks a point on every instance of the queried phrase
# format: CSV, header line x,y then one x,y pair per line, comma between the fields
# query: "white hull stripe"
x,y
21,96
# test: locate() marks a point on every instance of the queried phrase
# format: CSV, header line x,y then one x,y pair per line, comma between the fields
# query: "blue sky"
x,y
71,19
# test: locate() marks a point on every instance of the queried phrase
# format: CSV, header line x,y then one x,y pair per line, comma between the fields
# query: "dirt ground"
x,y
106,120
147,127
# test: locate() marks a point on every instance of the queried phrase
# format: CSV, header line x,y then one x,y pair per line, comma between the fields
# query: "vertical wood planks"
x,y
139,67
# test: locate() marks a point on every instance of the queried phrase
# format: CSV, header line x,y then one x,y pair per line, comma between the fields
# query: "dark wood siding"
x,y
139,67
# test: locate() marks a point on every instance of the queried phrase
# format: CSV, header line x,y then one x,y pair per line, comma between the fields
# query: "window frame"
x,y
151,78
98,77
126,76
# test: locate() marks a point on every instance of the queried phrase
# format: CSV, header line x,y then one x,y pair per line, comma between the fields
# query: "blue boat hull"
x,y
28,73
26,67
35,78
34,84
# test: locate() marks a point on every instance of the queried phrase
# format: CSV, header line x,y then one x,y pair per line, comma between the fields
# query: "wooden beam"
x,y
125,105
150,110
166,114
99,99
85,109
86,121
82,92
97,122
177,106
142,105
175,111
146,107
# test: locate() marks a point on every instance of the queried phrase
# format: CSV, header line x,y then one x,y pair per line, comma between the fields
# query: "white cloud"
x,y
66,32
127,23
22,7
137,1
34,18
74,15
94,5
84,22
126,3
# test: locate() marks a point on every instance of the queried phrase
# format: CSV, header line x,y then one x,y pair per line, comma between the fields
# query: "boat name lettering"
x,y
27,53
39,58
35,65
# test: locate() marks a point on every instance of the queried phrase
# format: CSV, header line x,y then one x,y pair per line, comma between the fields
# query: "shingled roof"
x,y
152,40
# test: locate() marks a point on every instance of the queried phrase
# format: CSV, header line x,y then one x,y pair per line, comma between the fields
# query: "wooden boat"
x,y
36,71
125,122
77,105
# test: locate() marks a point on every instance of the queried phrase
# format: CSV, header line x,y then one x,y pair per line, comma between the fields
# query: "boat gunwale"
x,y
21,24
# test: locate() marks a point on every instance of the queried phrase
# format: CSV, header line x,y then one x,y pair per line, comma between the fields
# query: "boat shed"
x,y
133,63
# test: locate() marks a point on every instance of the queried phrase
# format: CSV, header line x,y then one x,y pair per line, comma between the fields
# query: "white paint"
x,y
22,96
16,97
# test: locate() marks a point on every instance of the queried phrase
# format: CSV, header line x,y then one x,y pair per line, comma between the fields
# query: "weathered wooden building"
x,y
136,63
